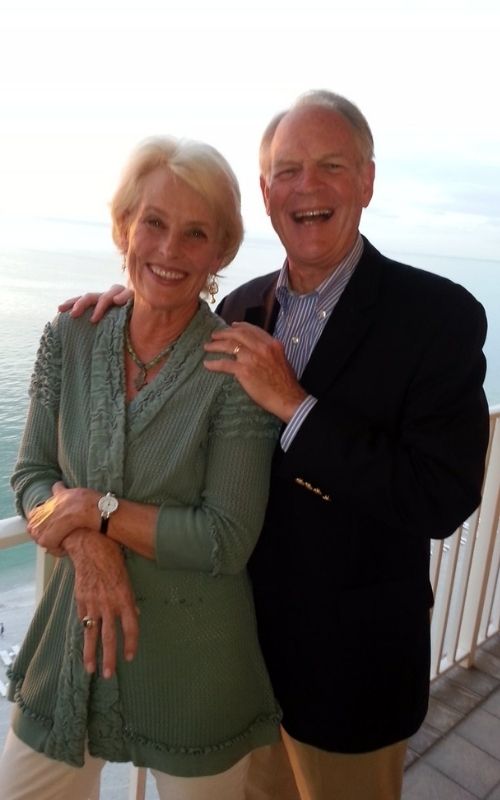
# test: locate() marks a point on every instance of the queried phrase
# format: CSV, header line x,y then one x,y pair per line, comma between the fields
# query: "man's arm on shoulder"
x,y
116,295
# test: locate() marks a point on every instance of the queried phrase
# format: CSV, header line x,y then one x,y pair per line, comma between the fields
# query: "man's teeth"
x,y
166,273
312,216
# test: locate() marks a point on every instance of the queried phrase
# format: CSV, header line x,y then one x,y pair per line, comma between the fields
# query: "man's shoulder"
x,y
255,288
417,283
249,294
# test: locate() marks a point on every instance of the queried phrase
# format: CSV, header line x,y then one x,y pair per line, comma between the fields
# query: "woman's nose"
x,y
170,245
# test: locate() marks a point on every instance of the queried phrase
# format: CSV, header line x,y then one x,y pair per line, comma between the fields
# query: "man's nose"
x,y
310,178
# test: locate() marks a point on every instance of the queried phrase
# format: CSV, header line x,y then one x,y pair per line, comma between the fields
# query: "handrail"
x,y
465,577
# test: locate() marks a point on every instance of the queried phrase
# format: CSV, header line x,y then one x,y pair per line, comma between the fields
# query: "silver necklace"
x,y
144,366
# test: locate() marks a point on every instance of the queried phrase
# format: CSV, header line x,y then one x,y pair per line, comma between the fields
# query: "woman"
x,y
149,474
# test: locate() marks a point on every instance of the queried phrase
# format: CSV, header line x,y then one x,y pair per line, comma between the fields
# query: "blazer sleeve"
x,y
424,472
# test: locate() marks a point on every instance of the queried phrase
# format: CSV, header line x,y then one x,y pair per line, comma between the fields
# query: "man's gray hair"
x,y
324,99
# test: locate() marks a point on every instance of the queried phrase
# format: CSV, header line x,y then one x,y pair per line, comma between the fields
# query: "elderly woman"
x,y
149,475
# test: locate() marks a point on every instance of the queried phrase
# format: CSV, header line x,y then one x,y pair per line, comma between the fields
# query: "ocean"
x,y
35,281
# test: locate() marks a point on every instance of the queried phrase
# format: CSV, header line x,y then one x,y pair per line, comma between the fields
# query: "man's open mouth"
x,y
315,215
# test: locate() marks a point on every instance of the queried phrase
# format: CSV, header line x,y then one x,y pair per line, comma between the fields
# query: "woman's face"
x,y
173,244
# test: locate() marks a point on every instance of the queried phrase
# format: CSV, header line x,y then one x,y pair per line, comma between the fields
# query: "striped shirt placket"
x,y
301,321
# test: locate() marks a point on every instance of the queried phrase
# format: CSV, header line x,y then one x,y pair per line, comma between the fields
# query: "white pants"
x,y
28,775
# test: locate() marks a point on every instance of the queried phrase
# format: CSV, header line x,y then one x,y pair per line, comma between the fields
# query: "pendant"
x,y
140,381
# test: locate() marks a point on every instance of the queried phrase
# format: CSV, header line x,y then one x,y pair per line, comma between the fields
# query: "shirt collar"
x,y
330,286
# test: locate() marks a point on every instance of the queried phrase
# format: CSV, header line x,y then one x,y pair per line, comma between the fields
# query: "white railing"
x,y
465,574
465,577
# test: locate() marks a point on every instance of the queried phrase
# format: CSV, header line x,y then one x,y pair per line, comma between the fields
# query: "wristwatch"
x,y
107,504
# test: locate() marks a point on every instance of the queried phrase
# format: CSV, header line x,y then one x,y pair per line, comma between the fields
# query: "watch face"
x,y
107,504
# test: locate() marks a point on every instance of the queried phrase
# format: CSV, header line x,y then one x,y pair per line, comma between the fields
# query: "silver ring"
x,y
88,622
236,350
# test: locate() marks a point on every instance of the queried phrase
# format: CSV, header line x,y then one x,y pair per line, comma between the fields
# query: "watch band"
x,y
107,505
104,524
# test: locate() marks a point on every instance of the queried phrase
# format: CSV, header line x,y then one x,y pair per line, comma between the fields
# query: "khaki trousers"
x,y
294,771
28,775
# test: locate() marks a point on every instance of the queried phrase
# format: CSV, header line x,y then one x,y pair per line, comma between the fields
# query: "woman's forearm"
x,y
132,524
104,595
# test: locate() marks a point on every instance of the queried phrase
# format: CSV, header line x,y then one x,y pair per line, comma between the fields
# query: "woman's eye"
x,y
197,233
154,222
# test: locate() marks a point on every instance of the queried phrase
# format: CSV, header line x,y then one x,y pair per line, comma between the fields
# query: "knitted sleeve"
x,y
219,535
37,468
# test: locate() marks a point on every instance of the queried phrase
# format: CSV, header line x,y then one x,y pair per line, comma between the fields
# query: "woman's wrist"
x,y
87,514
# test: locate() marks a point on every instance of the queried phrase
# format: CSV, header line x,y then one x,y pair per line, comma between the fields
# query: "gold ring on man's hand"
x,y
236,350
88,622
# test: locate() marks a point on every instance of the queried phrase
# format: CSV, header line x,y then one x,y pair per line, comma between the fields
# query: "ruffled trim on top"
x,y
80,696
238,416
45,383
262,719
107,406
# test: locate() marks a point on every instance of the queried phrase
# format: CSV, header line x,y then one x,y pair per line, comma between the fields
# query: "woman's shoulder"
x,y
81,331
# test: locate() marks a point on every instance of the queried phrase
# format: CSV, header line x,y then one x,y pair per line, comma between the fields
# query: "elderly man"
x,y
376,370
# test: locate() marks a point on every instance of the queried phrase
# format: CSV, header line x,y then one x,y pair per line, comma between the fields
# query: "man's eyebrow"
x,y
289,162
334,154
285,162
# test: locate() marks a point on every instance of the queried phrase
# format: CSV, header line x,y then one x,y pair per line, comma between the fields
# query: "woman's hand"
x,y
67,509
104,594
117,295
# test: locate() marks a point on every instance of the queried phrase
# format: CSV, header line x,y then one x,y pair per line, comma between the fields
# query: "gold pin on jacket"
x,y
313,489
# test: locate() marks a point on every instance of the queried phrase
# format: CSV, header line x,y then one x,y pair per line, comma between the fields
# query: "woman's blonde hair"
x,y
201,166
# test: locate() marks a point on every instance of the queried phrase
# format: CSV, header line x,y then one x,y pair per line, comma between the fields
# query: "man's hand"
x,y
103,593
117,295
260,366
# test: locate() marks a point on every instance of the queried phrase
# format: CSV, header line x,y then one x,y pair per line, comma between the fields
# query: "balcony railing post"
x,y
483,552
137,785
43,571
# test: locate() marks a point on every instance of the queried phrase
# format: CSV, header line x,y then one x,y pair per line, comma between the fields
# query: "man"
x,y
386,428
376,370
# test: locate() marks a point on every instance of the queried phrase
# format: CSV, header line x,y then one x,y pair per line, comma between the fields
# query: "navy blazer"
x,y
391,455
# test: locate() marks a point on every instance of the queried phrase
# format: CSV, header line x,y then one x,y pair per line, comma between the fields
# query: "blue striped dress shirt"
x,y
301,320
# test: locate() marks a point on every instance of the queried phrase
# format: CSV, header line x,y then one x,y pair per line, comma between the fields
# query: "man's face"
x,y
316,190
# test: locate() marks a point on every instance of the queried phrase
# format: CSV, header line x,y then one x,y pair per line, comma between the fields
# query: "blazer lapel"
x,y
264,315
348,325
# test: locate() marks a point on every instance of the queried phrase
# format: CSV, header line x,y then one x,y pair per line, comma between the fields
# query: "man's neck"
x,y
306,278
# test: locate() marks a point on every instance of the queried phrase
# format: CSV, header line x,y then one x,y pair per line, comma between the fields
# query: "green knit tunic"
x,y
197,697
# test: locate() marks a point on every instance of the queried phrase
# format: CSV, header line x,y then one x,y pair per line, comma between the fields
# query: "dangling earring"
x,y
212,288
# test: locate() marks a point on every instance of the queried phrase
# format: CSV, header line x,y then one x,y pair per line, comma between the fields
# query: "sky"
x,y
81,84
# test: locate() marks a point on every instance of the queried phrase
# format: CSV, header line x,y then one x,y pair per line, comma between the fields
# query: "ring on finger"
x,y
236,350
88,622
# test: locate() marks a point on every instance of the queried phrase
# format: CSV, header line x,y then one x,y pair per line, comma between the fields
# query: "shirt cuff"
x,y
295,423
